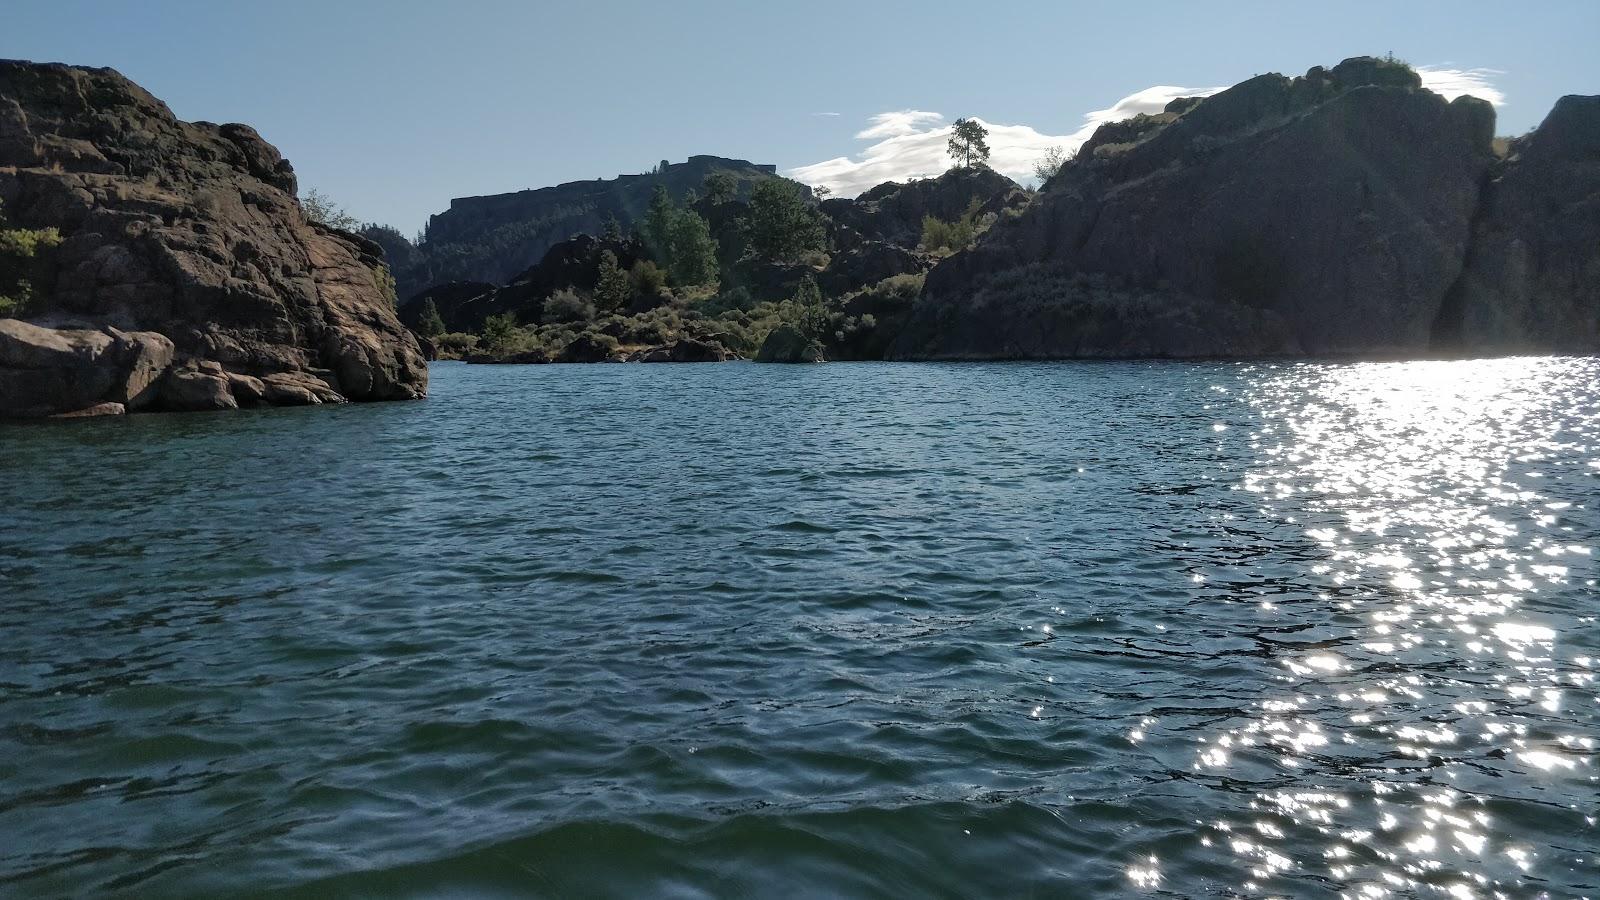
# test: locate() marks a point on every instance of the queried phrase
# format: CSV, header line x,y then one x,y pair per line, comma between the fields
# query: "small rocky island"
x,y
150,263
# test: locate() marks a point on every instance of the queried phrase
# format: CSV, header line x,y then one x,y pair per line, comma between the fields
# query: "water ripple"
x,y
870,630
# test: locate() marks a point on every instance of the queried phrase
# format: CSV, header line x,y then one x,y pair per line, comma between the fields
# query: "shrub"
x,y
647,278
24,255
566,306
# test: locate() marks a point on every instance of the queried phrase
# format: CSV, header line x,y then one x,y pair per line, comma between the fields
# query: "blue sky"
x,y
394,107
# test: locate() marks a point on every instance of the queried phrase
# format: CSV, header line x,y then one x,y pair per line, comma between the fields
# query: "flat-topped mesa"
x,y
493,237
186,234
1330,213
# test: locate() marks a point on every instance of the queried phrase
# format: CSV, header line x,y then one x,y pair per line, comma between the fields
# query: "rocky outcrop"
x,y
788,344
53,372
188,237
493,238
1532,276
571,264
893,211
1330,213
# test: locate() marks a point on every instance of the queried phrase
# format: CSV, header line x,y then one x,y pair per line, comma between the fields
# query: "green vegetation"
x,y
691,252
1046,167
781,226
384,279
647,279
429,323
968,144
719,187
614,290
24,256
320,208
948,237
500,332
681,239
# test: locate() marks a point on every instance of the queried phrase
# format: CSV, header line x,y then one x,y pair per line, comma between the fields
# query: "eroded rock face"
x,y
1532,278
1324,214
190,231
893,211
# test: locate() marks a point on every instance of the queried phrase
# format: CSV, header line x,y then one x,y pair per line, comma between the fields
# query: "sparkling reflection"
x,y
1448,697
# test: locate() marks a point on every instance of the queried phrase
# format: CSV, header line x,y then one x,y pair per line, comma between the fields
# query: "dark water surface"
x,y
868,630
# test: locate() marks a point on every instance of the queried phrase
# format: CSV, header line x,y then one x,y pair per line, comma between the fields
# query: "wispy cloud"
x,y
1452,83
910,143
898,124
826,114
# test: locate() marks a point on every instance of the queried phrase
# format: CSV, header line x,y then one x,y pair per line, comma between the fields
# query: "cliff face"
x,y
189,232
492,238
1532,278
1331,213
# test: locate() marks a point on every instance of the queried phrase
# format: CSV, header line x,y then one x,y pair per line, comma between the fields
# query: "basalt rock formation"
x,y
1532,277
493,238
571,264
893,211
187,277
1349,211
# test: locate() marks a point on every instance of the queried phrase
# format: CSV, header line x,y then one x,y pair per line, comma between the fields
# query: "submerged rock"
x,y
191,235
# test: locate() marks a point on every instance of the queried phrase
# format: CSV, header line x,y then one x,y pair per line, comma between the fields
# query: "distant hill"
x,y
492,238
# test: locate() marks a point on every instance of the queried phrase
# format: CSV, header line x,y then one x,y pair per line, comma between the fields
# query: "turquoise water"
x,y
867,630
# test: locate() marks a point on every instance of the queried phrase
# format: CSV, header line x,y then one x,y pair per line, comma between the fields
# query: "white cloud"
x,y
1452,83
910,143
831,115
898,124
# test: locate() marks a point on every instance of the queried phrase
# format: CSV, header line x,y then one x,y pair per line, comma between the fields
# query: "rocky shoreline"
x,y
1348,212
186,276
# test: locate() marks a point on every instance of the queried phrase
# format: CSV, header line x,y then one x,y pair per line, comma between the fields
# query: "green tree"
x,y
500,331
23,253
969,145
780,225
613,230
811,316
658,223
429,323
319,207
612,290
719,187
691,250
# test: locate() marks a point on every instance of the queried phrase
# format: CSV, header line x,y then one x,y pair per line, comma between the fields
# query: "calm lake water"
x,y
867,630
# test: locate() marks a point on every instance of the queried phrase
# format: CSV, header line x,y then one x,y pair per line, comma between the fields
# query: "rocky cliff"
x,y
187,277
493,238
1346,211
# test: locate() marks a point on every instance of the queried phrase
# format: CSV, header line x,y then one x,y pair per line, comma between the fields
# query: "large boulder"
x,y
788,344
191,231
52,371
1324,214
